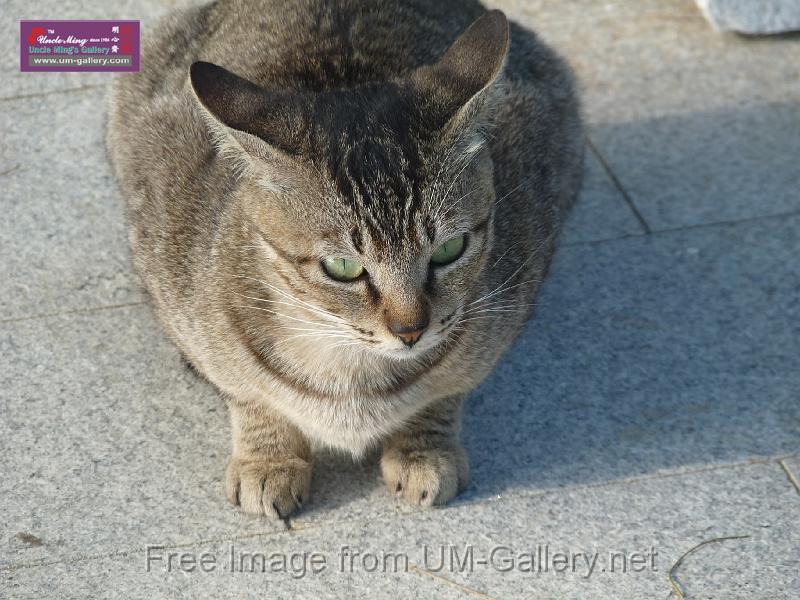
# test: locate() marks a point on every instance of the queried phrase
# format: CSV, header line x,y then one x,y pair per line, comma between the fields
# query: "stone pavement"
x,y
652,405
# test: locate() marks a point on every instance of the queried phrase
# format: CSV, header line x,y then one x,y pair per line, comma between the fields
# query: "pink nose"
x,y
410,337
409,334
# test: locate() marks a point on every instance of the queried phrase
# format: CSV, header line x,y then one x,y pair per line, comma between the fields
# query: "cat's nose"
x,y
409,334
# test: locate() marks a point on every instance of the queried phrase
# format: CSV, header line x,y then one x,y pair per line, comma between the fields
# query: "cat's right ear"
x,y
455,87
245,117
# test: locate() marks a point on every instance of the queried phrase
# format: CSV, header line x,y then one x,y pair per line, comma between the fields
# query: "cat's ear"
x,y
245,116
449,88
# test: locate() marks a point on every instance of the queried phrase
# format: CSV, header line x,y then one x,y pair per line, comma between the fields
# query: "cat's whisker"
x,y
442,166
467,162
479,317
318,339
282,315
294,298
457,202
285,294
287,304
509,278
454,204
340,345
503,255
495,310
315,335
515,189
499,287
494,304
499,304
320,331
516,285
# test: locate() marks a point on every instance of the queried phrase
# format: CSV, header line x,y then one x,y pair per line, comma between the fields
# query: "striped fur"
x,y
367,129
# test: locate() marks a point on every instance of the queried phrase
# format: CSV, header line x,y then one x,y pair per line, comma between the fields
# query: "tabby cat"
x,y
342,210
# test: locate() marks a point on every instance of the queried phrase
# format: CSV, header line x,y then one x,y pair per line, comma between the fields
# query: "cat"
x,y
342,211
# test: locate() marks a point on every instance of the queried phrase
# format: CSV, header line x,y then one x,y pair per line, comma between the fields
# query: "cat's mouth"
x,y
431,344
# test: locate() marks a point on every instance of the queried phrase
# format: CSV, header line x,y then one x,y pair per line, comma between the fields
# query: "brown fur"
x,y
355,128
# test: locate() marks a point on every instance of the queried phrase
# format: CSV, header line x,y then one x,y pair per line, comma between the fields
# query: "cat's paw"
x,y
275,488
425,476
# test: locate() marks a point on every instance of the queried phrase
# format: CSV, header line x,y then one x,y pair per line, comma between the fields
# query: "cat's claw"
x,y
425,477
275,488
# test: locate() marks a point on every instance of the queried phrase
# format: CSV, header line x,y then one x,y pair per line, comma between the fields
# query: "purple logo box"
x,y
79,45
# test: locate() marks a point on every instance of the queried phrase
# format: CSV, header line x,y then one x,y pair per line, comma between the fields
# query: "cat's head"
x,y
370,207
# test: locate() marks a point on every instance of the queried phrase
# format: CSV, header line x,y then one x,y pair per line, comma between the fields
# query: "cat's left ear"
x,y
454,87
246,118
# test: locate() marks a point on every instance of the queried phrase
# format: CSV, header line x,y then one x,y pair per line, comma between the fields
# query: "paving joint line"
x,y
300,525
789,474
82,88
656,232
755,218
90,309
618,184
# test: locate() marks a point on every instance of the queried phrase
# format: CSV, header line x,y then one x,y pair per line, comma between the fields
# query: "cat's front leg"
x,y
270,469
424,462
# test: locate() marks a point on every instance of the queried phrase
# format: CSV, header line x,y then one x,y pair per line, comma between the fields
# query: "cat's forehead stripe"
x,y
376,178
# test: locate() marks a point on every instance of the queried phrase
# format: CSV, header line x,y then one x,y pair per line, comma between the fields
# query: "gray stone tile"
x,y
659,520
17,83
642,59
699,127
63,232
107,440
638,532
649,353
312,569
708,166
601,212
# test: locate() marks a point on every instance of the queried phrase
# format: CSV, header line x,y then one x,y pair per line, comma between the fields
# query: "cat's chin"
x,y
404,354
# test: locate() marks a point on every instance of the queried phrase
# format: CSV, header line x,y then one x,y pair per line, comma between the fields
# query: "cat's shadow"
x,y
623,372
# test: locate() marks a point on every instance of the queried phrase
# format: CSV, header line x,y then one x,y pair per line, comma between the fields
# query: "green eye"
x,y
449,251
342,269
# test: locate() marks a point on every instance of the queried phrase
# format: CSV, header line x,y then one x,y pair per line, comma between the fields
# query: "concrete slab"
x,y
108,440
613,541
698,127
63,233
288,566
708,166
645,354
639,531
